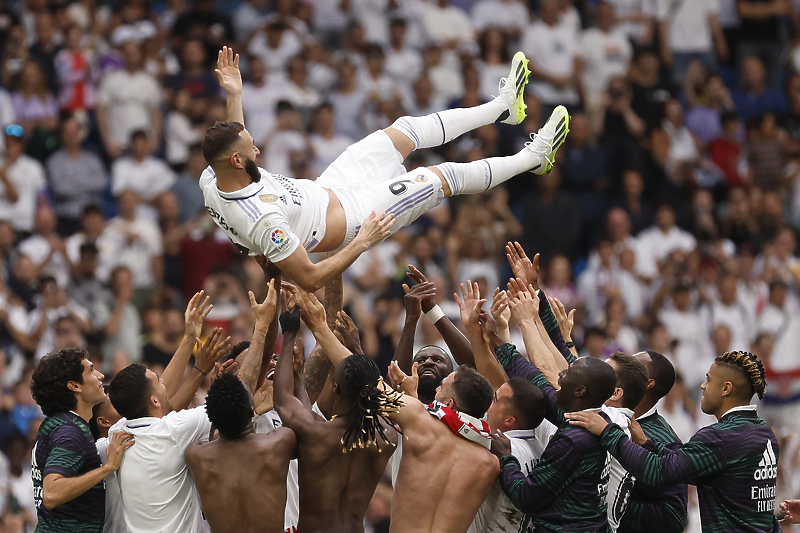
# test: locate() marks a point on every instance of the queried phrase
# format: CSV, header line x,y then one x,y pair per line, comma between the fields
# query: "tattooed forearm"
x,y
315,373
332,301
250,367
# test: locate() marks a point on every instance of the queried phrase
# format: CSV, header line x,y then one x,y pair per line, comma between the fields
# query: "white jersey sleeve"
x,y
274,238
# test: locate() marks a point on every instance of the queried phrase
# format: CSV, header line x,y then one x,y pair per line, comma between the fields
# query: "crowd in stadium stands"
x,y
669,221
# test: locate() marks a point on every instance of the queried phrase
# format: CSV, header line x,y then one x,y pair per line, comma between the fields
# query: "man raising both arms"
x,y
285,219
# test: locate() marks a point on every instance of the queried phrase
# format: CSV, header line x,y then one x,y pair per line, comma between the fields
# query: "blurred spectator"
x,y
510,16
93,227
635,20
606,52
275,44
296,91
403,61
551,218
74,67
288,136
140,171
194,75
606,280
495,57
726,151
765,152
47,45
690,31
46,249
448,26
128,100
35,108
23,181
164,338
202,21
120,323
655,243
348,100
137,243
636,205
179,132
258,101
327,144
732,311
77,177
760,34
186,187
553,50
558,282
757,98
248,17
85,288
704,116
650,90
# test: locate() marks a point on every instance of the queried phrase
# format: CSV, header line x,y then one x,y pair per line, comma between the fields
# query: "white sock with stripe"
x,y
483,174
442,127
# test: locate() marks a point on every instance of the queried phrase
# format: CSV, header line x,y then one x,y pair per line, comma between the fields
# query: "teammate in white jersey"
x,y
518,411
284,218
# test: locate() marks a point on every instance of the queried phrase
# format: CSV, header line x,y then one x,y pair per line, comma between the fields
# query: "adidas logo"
x,y
768,466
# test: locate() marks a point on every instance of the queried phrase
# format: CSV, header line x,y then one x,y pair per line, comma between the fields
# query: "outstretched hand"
x,y
262,399
565,321
418,298
227,71
375,229
210,352
264,312
500,310
524,303
402,381
419,278
471,305
347,333
196,313
589,420
311,310
522,266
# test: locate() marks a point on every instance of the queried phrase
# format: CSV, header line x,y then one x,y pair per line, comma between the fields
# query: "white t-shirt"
x,y
654,245
148,178
278,152
157,487
447,23
497,514
605,55
27,176
115,519
503,14
273,216
619,481
689,30
130,98
553,49
258,104
38,249
138,253
265,424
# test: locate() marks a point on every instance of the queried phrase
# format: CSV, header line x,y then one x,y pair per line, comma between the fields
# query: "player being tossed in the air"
x,y
284,218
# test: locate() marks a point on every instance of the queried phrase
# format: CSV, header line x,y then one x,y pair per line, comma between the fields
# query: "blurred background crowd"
x,y
669,221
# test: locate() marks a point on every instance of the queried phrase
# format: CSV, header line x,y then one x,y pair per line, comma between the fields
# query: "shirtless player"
x,y
228,471
335,487
285,219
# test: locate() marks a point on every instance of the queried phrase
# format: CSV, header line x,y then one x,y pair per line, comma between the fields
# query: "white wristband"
x,y
435,314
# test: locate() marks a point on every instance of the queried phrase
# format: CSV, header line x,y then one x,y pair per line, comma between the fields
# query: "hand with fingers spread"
x,y
211,351
429,301
403,382
589,420
500,310
262,399
470,306
375,229
196,313
517,285
312,311
417,298
565,321
522,266
227,71
491,335
524,306
117,445
347,333
289,294
264,312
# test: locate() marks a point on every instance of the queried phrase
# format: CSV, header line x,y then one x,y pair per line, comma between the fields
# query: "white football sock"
x,y
483,174
442,127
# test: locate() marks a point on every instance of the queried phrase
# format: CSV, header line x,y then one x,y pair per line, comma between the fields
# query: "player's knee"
x,y
402,141
445,185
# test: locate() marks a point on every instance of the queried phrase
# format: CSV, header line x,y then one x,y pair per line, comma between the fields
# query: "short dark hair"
x,y
236,351
88,248
50,377
138,134
632,378
750,367
219,138
228,406
130,390
91,209
663,372
600,381
93,427
528,400
472,393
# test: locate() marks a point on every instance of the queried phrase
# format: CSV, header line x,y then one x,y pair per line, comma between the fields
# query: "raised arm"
x,y
291,410
318,366
566,321
313,276
205,361
196,312
230,79
313,314
457,343
525,309
412,301
471,316
263,314
271,272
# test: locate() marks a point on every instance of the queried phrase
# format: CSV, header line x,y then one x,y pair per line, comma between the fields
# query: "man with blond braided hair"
x,y
734,463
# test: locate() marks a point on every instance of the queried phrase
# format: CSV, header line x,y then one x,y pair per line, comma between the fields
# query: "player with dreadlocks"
x,y
340,461
734,463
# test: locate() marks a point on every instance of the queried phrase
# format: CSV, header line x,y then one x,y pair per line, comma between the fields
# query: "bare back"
x,y
242,483
443,478
335,487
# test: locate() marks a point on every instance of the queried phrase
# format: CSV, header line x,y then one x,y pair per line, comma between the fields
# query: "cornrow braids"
x,y
751,366
362,381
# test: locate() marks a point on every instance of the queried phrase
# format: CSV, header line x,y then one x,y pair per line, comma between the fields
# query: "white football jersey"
x,y
272,217
620,482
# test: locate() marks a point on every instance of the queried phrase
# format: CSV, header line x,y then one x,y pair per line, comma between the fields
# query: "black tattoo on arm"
x,y
317,368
